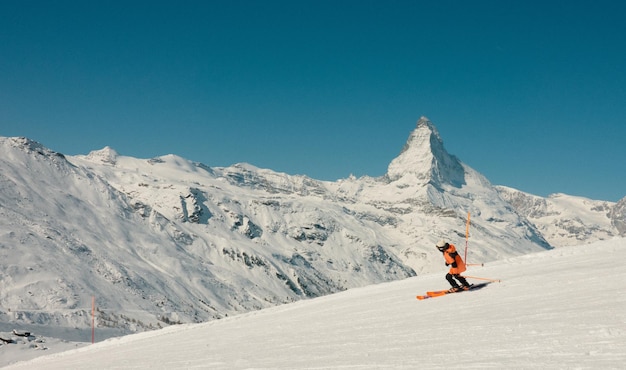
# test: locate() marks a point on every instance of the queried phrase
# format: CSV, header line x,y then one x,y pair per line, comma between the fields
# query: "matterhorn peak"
x,y
425,130
424,157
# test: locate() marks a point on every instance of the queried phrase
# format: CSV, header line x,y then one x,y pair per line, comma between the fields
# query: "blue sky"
x,y
532,94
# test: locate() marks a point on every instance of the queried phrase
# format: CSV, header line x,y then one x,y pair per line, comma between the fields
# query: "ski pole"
x,y
475,264
480,278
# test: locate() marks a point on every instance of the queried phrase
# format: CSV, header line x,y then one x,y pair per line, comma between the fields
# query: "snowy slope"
x,y
558,309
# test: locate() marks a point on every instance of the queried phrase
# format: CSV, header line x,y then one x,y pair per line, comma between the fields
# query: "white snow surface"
x,y
557,309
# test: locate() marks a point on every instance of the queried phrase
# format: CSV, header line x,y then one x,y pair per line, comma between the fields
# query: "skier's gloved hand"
x,y
454,264
447,264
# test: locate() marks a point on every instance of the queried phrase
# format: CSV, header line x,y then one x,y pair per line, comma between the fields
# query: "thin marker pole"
x,y
93,319
467,225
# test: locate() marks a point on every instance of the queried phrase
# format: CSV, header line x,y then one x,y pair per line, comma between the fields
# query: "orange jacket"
x,y
452,258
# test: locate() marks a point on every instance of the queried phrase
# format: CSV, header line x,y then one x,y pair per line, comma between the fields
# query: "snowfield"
x,y
558,309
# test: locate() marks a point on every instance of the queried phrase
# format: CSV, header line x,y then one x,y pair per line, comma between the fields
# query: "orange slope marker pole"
x,y
467,225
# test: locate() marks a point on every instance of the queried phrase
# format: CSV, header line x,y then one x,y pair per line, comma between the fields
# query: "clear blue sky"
x,y
532,94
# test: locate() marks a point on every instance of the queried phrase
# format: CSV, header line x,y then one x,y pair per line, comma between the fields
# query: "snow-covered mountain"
x,y
166,240
565,220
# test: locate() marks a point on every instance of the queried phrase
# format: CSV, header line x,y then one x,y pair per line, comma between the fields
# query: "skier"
x,y
457,266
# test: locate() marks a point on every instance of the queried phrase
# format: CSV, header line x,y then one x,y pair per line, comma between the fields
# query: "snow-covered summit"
x,y
104,155
425,158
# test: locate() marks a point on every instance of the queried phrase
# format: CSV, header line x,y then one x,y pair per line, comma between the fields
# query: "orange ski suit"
x,y
452,258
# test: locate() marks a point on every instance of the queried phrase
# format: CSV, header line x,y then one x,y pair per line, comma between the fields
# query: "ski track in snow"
x,y
560,309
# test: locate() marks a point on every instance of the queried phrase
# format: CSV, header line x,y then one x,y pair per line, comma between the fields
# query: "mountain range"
x,y
166,240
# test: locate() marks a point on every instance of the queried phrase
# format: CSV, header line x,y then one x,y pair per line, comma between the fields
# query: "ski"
x,y
422,297
439,293
433,294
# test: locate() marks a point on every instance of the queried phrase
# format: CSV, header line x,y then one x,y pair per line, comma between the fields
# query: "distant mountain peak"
x,y
424,157
104,155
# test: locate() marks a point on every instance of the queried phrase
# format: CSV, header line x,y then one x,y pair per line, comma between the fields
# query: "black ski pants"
x,y
450,277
